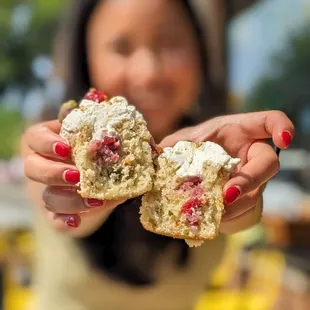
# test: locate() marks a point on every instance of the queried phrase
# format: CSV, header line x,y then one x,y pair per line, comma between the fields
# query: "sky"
x,y
259,33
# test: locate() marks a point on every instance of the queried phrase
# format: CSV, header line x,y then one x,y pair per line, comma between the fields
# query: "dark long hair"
x,y
112,248
212,100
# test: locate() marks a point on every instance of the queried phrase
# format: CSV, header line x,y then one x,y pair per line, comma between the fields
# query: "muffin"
x,y
186,201
111,146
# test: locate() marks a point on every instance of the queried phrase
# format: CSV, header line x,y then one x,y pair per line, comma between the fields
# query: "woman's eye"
x,y
122,46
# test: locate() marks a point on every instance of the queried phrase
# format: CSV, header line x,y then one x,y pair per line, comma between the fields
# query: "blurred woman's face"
x,y
146,51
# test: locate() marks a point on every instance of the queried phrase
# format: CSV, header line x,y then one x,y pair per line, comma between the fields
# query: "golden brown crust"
x,y
175,236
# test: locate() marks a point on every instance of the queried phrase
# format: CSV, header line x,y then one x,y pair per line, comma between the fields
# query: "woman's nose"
x,y
144,70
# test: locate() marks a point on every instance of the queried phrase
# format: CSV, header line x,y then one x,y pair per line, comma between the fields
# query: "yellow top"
x,y
66,281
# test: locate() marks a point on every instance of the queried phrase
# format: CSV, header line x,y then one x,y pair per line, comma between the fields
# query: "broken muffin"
x,y
110,147
187,198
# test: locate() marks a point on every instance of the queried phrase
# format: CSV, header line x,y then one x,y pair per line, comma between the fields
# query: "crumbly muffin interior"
x,y
129,175
185,208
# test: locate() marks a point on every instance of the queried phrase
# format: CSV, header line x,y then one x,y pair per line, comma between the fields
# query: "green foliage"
x,y
289,80
11,126
17,51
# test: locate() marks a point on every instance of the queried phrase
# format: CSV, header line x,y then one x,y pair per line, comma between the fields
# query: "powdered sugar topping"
x,y
191,157
102,117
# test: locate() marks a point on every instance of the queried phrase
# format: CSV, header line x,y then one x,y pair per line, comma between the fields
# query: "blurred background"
x,y
267,48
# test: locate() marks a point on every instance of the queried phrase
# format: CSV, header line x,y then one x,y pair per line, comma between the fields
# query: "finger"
x,y
265,125
257,126
243,221
53,125
49,172
69,220
44,139
263,164
242,205
65,200
63,222
276,124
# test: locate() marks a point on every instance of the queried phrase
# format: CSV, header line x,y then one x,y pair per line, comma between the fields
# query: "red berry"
x,y
96,96
195,180
105,149
112,143
114,158
191,183
108,140
192,186
191,204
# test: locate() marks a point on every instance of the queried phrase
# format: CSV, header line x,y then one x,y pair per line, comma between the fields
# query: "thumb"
x,y
201,132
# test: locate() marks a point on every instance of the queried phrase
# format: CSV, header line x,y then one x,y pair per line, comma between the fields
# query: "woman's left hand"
x,y
243,136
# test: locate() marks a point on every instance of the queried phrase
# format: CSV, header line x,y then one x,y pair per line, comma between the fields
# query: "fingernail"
x,y
287,138
93,203
71,176
231,195
61,149
71,222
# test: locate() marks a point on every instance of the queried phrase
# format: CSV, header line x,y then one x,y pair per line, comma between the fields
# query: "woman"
x,y
95,254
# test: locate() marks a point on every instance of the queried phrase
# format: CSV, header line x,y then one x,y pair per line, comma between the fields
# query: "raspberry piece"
x,y
105,150
96,96
193,186
192,213
114,158
194,228
191,205
195,180
194,219
191,183
112,143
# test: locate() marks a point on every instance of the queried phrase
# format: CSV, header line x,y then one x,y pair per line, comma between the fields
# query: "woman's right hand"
x,y
47,161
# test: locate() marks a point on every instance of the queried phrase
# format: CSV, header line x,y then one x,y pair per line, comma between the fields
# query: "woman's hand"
x,y
243,136
47,161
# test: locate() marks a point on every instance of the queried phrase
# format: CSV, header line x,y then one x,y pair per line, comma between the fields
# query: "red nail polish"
x,y
71,222
287,138
62,149
93,203
231,195
72,176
